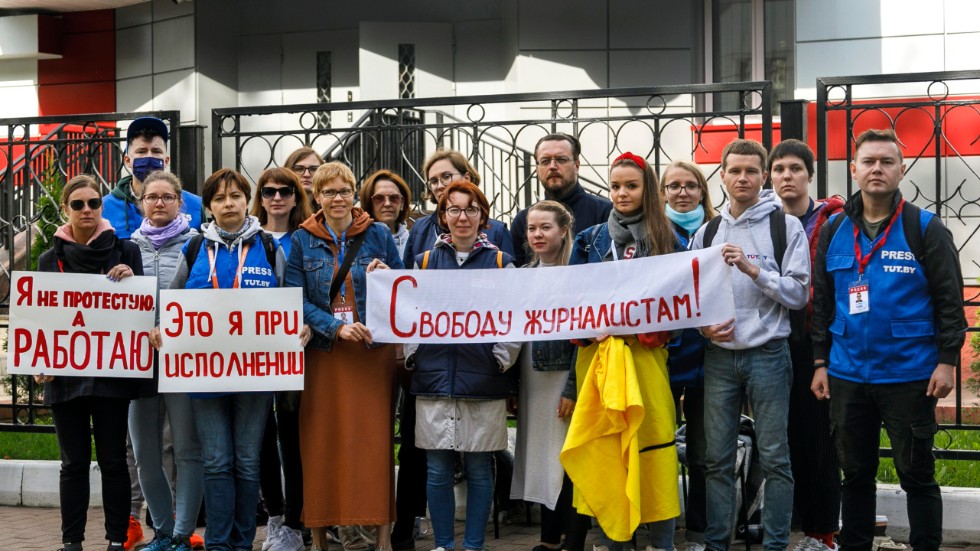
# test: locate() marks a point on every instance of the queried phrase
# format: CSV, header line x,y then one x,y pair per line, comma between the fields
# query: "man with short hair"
x,y
816,472
749,354
557,160
146,152
888,325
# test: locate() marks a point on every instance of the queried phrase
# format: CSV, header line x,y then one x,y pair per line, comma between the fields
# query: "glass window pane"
x,y
781,49
731,43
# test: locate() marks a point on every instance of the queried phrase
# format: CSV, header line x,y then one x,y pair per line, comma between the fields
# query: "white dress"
x,y
538,473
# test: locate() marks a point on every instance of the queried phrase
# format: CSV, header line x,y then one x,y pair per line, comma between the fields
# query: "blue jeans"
x,y
230,428
765,374
442,501
146,417
857,412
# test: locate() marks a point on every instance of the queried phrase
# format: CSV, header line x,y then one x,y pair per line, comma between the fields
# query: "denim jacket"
x,y
311,266
554,356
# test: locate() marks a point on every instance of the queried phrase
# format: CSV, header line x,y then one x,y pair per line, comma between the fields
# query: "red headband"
x,y
634,158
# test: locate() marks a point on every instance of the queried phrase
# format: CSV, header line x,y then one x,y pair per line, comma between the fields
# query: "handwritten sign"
x,y
231,340
81,325
660,293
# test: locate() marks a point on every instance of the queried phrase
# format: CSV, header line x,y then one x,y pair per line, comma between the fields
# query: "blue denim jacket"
x,y
311,266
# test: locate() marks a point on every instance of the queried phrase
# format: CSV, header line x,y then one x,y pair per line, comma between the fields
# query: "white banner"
x,y
81,325
688,289
231,340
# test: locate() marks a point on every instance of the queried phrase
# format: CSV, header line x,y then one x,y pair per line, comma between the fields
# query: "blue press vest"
x,y
895,342
256,272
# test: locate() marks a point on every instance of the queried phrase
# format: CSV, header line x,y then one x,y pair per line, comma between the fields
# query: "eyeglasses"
x,y
269,192
445,179
379,199
152,199
332,193
471,212
78,204
546,161
300,169
674,189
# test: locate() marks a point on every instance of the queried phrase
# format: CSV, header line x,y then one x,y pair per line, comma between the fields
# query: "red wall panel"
x,y
84,79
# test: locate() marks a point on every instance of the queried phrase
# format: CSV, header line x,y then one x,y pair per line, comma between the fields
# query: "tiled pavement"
x,y
37,529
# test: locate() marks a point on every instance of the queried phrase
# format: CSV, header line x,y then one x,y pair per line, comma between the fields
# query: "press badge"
x,y
858,297
344,313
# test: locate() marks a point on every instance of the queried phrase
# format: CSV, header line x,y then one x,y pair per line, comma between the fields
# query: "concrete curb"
x,y
35,484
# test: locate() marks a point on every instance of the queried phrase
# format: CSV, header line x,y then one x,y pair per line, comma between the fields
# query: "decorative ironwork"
x,y
324,82
496,132
406,71
938,130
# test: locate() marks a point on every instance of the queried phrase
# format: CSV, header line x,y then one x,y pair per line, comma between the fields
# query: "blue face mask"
x,y
143,166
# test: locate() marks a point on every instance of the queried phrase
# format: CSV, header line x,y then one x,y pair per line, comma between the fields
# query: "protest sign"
x,y
661,293
231,340
65,324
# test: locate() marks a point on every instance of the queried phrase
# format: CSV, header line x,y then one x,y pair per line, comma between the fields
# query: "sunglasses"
x,y
78,204
269,192
379,199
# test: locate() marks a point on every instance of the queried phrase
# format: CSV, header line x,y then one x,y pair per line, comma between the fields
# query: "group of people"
x,y
322,458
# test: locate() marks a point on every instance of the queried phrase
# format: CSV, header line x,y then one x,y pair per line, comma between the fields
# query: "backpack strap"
x,y
193,249
500,258
425,259
269,244
914,221
777,232
711,228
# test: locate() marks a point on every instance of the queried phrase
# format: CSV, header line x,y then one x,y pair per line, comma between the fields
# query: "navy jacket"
x,y
588,210
460,370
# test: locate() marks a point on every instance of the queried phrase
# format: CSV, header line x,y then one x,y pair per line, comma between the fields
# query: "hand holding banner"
x,y
231,340
661,293
81,325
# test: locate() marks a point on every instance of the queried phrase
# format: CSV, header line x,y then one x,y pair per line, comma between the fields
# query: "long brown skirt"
x,y
347,436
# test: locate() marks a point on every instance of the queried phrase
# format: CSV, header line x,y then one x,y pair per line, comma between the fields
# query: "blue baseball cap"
x,y
153,124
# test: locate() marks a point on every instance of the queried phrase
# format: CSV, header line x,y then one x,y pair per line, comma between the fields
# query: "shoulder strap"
x,y
835,221
777,232
338,279
500,259
193,248
269,244
912,218
425,259
710,230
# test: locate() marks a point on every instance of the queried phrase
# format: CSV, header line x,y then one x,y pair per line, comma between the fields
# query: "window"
x,y
406,71
751,40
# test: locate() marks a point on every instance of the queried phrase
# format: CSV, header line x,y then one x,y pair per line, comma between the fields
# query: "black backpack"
x,y
194,248
777,232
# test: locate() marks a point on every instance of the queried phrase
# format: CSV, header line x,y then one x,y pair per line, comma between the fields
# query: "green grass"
x,y
28,445
963,474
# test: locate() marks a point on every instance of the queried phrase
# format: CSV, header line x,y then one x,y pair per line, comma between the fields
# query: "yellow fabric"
x,y
624,405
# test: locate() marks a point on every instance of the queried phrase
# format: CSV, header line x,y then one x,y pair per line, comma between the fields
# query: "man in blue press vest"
x,y
146,152
888,325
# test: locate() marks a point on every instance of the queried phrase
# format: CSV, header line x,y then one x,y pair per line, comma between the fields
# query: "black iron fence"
x,y
496,132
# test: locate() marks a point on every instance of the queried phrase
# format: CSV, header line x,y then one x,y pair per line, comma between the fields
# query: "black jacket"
x,y
940,263
62,389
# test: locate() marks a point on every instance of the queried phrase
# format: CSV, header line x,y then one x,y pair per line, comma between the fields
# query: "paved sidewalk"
x,y
38,529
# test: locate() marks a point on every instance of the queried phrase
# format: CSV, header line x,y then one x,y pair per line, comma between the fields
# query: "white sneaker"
x,y
288,539
272,528
807,543
694,546
439,549
599,548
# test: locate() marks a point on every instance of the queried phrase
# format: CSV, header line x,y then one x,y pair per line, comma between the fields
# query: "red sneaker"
x,y
197,542
134,534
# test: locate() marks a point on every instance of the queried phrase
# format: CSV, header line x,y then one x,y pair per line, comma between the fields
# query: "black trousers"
x,y
816,470
76,422
857,412
695,513
565,520
282,493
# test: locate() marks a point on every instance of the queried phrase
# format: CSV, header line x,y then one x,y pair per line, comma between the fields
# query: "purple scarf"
x,y
158,236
